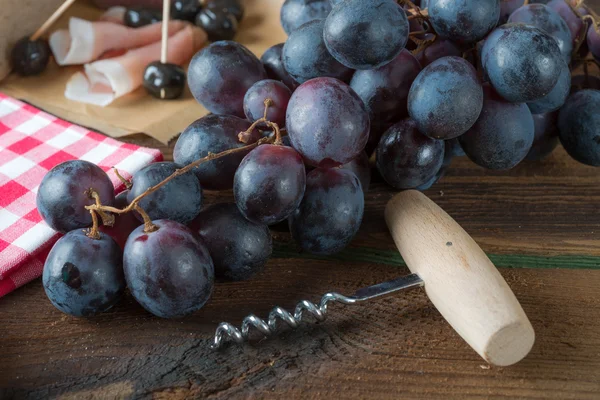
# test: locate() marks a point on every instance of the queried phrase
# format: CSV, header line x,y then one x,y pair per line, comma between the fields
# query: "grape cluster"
x,y
294,135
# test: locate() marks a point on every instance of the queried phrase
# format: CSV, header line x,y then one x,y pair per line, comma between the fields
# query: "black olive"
x,y
233,7
217,23
164,81
185,9
30,57
137,17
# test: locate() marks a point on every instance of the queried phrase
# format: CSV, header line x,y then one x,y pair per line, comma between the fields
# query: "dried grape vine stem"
x,y
108,219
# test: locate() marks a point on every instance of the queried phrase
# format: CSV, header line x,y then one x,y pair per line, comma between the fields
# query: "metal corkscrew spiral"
x,y
269,327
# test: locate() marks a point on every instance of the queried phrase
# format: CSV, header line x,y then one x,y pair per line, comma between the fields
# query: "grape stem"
x,y
127,183
593,17
93,231
422,44
134,205
245,136
417,13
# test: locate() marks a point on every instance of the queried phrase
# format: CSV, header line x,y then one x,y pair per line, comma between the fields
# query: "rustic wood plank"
x,y
397,346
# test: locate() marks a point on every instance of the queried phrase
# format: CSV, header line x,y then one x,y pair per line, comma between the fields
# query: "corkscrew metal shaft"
x,y
269,326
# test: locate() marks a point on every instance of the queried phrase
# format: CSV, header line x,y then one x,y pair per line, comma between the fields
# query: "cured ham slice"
x,y
115,14
86,41
104,81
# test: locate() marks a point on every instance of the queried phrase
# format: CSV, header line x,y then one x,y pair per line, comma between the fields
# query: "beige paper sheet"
x,y
138,111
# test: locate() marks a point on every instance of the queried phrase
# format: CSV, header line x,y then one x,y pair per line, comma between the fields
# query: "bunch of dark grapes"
x,y
294,135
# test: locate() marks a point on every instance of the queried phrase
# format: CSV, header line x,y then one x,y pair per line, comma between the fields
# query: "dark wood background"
x,y
540,224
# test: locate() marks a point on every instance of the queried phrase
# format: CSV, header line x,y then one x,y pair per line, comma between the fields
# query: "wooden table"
x,y
540,224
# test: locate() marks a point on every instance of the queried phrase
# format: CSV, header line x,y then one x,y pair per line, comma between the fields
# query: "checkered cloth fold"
x,y
31,143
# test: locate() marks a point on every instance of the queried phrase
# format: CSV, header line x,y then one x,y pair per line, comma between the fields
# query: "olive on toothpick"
x,y
30,57
185,9
217,23
138,17
233,7
164,80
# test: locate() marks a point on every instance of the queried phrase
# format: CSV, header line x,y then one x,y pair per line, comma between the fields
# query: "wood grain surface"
x,y
540,223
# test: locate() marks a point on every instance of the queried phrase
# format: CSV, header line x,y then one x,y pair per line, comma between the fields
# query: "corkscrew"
x,y
457,275
269,327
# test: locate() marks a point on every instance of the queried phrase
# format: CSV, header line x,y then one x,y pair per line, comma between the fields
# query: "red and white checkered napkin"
x,y
31,143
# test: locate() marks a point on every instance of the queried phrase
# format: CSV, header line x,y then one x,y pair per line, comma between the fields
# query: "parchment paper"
x,y
138,111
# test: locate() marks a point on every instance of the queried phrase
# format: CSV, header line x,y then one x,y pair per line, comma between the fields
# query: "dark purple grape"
x,y
416,28
168,271
463,21
65,191
503,134
545,136
84,276
579,82
30,57
384,90
273,64
579,126
573,21
185,10
449,148
137,17
330,212
233,7
295,13
213,134
593,41
239,248
285,139
362,169
124,223
557,96
327,122
406,158
164,80
453,146
220,75
446,98
217,23
507,7
305,55
179,199
438,49
269,184
523,63
549,21
254,101
366,34
377,130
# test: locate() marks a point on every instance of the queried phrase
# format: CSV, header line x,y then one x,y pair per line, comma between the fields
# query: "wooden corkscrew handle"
x,y
460,279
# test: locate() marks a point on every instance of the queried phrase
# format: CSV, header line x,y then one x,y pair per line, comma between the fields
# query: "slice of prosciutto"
x,y
104,81
86,41
114,14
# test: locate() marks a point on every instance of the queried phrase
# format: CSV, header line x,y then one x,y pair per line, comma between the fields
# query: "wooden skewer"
x,y
165,30
50,21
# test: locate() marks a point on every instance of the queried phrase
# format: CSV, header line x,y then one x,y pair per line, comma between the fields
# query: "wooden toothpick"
x,y
50,21
165,31
165,37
